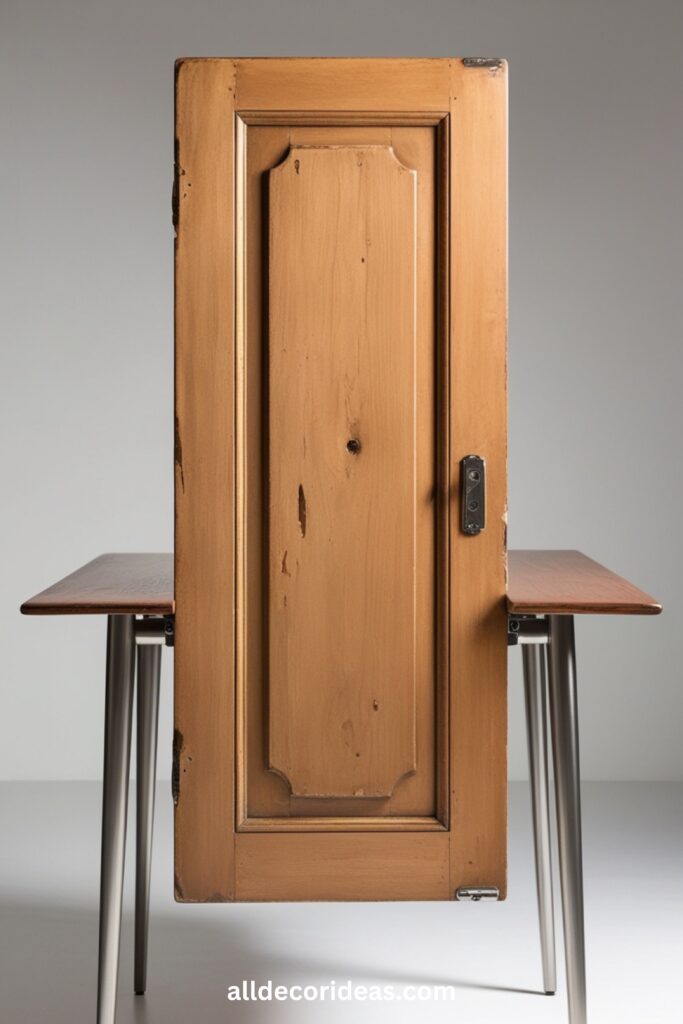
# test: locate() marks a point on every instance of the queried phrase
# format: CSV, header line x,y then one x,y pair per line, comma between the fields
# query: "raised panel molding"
x,y
411,149
341,470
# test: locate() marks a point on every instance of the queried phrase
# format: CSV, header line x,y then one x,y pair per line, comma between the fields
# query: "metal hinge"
x,y
175,193
175,766
477,893
483,62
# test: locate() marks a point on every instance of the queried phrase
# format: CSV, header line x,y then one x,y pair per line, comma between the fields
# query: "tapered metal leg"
x,y
149,669
533,657
565,734
117,732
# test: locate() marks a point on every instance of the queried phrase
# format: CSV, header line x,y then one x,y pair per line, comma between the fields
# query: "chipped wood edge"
x,y
204,482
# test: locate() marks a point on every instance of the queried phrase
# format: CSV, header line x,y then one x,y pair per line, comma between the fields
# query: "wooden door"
x,y
340,688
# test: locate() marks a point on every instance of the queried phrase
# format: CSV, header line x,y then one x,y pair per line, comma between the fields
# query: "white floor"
x,y
49,864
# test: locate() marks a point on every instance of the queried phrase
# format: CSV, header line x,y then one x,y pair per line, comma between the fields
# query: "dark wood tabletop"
x,y
539,582
125,584
569,583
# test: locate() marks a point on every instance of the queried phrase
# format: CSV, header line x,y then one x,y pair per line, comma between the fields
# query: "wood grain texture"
x,y
342,84
112,584
264,797
357,866
342,469
478,410
539,582
204,481
470,306
570,583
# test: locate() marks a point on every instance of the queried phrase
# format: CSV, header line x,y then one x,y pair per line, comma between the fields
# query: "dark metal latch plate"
x,y
473,491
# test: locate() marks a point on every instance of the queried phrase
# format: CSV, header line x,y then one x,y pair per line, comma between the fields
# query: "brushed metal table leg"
x,y
533,659
149,670
117,735
565,734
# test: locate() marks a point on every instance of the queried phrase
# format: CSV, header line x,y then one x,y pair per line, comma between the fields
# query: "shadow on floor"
x,y
49,968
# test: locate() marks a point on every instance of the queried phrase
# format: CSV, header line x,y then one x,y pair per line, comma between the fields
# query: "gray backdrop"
x,y
596,94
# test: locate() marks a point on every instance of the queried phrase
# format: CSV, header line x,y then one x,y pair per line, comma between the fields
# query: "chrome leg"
x,y
117,732
533,659
149,669
565,735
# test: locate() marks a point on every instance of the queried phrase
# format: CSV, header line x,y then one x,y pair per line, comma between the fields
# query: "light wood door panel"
x,y
340,702
310,416
342,867
341,467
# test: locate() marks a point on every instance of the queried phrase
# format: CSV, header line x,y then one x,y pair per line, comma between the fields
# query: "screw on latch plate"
x,y
477,893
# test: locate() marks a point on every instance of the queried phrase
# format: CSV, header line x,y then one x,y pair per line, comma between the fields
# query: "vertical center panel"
x,y
341,470
342,461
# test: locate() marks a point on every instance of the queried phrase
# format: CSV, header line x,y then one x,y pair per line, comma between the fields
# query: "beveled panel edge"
x,y
442,439
440,120
240,474
323,118
402,823
304,779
